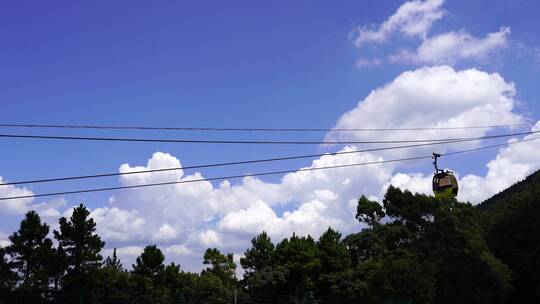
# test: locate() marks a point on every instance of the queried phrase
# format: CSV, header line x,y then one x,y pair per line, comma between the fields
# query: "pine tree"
x,y
31,251
82,246
221,265
260,255
8,278
113,282
114,261
147,276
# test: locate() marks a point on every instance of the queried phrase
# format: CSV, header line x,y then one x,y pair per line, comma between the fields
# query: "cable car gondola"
x,y
445,185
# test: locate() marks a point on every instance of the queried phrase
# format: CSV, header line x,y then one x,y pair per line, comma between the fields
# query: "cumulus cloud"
x,y
14,206
185,219
512,164
432,97
50,210
448,48
413,19
115,224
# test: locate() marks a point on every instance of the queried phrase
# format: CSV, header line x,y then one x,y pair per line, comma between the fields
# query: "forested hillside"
x,y
513,235
415,249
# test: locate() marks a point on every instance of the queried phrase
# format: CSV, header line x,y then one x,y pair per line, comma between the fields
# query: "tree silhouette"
x,y
8,278
369,212
82,248
114,261
30,252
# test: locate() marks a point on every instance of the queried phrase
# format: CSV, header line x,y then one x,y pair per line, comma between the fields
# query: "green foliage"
x,y
300,257
82,247
114,284
429,251
220,265
30,251
416,249
147,276
513,234
7,277
369,212
150,263
211,289
260,255
114,261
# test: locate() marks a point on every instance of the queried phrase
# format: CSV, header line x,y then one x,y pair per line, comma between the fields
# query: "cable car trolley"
x,y
445,185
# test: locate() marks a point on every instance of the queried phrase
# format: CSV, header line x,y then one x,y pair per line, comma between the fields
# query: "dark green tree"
x,y
260,255
300,258
210,288
369,212
114,282
8,278
335,260
412,211
510,219
221,265
332,252
468,272
31,252
263,278
173,284
114,261
148,276
82,248
58,266
150,263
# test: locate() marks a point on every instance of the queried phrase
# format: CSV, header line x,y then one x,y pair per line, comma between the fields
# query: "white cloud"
x,y
127,251
179,250
432,97
413,19
512,164
50,210
14,206
210,238
114,224
368,62
4,239
165,233
448,48
192,217
414,182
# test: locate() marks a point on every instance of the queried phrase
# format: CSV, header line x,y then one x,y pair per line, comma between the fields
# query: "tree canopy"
x,y
409,248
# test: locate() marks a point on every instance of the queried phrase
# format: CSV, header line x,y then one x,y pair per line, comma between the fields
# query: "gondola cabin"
x,y
445,185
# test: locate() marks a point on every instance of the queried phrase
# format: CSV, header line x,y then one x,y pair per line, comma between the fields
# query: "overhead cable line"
x,y
211,141
256,174
263,160
212,178
110,127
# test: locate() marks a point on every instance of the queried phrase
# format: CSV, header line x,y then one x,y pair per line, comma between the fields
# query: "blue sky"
x,y
217,64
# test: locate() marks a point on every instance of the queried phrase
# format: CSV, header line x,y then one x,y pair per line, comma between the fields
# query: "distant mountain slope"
x,y
512,220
